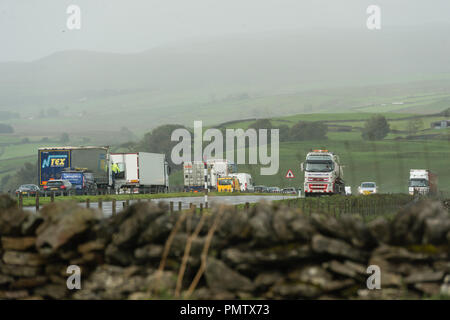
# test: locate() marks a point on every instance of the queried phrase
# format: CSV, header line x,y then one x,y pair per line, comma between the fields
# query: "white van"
x,y
245,180
348,191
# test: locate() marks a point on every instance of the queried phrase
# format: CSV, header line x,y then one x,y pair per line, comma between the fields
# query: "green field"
x,y
331,118
429,103
386,162
14,156
145,109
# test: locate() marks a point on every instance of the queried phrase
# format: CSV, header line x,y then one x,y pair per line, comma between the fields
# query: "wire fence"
x,y
367,207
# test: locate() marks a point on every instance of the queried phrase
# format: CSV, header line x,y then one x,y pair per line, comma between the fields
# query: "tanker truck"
x,y
323,174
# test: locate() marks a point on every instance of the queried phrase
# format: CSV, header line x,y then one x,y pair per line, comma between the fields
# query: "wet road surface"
x,y
185,202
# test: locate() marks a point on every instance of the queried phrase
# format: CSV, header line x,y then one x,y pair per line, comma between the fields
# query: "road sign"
x,y
290,175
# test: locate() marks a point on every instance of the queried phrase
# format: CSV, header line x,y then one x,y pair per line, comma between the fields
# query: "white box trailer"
x,y
144,171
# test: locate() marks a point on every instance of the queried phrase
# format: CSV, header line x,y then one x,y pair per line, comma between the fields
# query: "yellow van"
x,y
228,184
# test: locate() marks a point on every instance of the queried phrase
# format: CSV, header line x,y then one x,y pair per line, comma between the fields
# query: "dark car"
x,y
274,190
28,189
58,186
260,189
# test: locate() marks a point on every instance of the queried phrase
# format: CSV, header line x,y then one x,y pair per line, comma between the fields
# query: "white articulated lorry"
x,y
422,181
141,172
323,174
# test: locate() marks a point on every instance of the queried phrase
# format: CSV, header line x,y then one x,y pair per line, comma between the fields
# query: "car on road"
x,y
59,187
260,189
368,188
274,190
289,191
28,189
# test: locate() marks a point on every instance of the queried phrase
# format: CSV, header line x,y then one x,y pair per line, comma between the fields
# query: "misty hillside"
x,y
249,75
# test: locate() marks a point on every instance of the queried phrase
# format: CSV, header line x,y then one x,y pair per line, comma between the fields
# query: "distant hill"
x,y
230,78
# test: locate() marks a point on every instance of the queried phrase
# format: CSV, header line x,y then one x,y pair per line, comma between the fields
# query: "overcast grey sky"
x,y
33,29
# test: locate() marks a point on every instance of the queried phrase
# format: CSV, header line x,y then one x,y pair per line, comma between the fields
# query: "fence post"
x,y
52,197
20,201
128,202
171,206
179,205
37,201
100,203
247,206
113,207
201,207
88,203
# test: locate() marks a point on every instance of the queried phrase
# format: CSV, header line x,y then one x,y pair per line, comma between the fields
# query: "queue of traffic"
x,y
87,170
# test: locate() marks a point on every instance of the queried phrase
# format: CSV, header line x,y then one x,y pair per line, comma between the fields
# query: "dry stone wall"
x,y
271,252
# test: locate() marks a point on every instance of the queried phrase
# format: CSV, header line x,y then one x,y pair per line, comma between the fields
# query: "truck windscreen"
x,y
418,183
319,166
225,182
